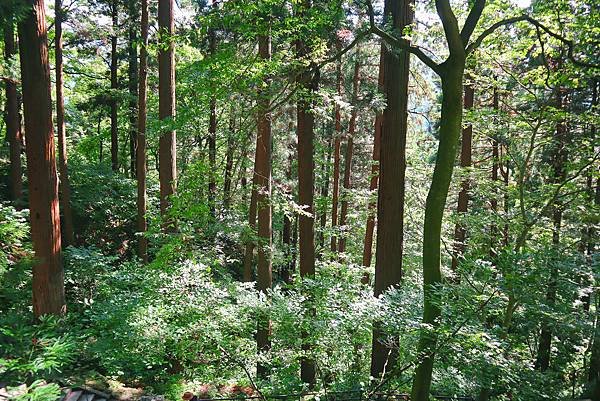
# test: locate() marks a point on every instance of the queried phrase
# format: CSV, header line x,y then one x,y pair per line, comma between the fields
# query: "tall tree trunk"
x,y
99,133
349,151
594,367
212,131
390,204
166,109
132,73
212,157
249,251
450,128
140,154
463,195
495,178
371,207
559,158
308,81
65,187
336,155
13,119
48,279
229,161
325,188
265,232
114,86
288,226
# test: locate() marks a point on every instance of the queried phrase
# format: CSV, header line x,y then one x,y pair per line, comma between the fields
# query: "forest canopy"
x,y
317,199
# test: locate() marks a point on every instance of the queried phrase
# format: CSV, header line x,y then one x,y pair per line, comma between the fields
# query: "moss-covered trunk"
x,y
450,128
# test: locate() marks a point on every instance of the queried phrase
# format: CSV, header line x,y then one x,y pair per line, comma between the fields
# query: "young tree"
x,y
166,92
336,153
65,187
349,151
48,280
12,117
141,136
463,195
392,167
371,207
559,158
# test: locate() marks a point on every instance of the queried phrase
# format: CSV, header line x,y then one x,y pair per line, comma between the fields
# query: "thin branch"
x,y
243,366
569,43
475,44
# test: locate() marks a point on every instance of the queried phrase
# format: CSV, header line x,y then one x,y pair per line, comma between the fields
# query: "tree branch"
x,y
400,43
569,43
492,29
472,20
450,24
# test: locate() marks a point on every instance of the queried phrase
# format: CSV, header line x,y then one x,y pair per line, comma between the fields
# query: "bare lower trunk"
x,y
48,278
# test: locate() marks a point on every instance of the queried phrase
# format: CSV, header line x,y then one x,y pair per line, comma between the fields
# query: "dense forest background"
x,y
273,197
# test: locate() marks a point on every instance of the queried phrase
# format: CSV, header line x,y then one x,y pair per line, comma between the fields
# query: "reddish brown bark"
x,y
336,156
371,208
288,227
48,280
212,157
212,131
132,75
114,86
65,187
265,231
140,154
390,204
249,251
463,195
166,109
349,151
325,187
229,161
495,176
558,161
13,120
308,81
